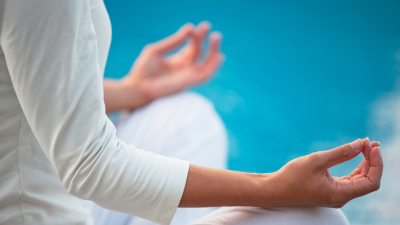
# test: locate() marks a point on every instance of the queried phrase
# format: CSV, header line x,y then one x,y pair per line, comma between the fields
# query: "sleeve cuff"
x,y
178,175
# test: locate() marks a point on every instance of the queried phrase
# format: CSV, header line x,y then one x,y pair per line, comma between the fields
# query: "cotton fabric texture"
x,y
274,216
57,145
184,126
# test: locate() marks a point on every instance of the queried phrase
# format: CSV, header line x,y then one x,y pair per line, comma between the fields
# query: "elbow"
x,y
85,178
82,164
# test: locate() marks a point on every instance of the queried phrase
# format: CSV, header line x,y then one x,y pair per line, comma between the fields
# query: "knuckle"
x,y
148,48
344,152
313,156
300,160
316,157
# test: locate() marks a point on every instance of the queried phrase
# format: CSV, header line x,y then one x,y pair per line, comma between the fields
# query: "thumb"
x,y
341,154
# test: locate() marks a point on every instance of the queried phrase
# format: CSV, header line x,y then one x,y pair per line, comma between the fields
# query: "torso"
x,y
30,190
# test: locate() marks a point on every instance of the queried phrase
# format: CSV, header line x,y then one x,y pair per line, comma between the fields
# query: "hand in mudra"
x,y
154,74
305,181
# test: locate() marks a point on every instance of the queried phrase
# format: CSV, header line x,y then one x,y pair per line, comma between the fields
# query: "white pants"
x,y
275,216
183,126
186,126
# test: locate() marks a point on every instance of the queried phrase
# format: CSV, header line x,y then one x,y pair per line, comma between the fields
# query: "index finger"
x,y
367,148
173,41
197,41
376,169
366,152
365,185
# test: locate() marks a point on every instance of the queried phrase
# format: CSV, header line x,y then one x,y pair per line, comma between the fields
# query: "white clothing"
x,y
274,216
56,141
183,126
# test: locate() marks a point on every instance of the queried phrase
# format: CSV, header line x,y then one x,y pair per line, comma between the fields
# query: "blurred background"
x,y
299,77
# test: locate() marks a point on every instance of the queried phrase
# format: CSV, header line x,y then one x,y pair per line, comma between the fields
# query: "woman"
x,y
58,147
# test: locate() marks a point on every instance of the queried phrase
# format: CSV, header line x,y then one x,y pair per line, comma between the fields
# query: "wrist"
x,y
132,95
268,191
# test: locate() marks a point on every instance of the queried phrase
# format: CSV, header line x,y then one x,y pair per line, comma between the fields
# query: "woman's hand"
x,y
156,74
305,181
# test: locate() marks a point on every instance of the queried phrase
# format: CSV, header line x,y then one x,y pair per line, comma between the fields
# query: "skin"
x,y
304,181
156,74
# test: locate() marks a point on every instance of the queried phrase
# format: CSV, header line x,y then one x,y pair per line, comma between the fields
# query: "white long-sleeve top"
x,y
57,145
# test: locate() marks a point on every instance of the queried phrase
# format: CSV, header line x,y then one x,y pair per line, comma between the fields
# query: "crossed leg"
x,y
183,126
186,126
275,216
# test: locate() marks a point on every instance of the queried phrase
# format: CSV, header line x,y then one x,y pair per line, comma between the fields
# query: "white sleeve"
x,y
51,53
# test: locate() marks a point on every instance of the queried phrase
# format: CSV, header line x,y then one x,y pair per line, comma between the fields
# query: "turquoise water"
x,y
300,76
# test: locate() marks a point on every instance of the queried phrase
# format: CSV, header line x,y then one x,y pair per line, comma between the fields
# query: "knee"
x,y
314,215
282,216
186,111
189,105
183,125
319,215
201,133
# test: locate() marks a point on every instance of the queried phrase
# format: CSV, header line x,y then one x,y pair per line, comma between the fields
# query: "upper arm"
x,y
51,53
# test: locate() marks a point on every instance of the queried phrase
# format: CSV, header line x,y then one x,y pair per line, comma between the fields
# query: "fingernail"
x,y
216,35
357,145
379,143
369,142
205,24
188,26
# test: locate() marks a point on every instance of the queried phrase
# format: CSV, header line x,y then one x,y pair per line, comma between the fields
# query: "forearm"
x,y
207,187
304,181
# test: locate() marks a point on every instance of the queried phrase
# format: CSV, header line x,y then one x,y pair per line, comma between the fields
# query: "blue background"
x,y
299,76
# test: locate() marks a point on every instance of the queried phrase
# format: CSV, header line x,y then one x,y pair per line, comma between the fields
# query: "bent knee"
x,y
178,110
317,215
184,125
281,216
184,102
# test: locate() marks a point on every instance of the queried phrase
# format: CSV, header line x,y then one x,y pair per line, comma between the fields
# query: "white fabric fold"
x,y
51,54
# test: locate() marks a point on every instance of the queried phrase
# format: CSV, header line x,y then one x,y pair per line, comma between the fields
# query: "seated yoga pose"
x,y
59,152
